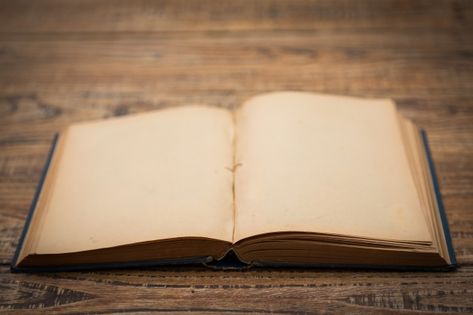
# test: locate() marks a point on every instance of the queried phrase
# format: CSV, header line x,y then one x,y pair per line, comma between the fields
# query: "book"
x,y
287,179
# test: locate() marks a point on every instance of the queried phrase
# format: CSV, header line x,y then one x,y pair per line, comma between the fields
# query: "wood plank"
x,y
145,16
373,65
193,289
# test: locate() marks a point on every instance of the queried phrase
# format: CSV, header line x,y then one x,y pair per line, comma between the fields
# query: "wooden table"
x,y
64,62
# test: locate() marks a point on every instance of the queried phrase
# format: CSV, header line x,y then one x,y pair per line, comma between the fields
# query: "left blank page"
x,y
141,178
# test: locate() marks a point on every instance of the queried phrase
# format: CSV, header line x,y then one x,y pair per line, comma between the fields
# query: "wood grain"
x,y
63,62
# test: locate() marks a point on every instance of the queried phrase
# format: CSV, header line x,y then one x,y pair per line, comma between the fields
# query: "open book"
x,y
287,179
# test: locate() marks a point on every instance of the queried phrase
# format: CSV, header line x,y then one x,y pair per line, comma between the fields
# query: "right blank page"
x,y
324,164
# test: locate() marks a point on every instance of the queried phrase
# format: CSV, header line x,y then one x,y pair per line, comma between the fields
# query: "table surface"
x,y
64,62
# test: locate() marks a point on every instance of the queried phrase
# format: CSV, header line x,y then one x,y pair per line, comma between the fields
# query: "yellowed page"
x,y
140,178
324,164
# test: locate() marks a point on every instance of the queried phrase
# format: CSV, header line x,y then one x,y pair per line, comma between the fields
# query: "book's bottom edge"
x,y
229,263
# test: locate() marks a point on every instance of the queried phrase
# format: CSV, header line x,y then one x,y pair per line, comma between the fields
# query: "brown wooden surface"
x,y
66,61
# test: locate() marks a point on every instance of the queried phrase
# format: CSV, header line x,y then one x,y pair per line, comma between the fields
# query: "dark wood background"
x,y
69,61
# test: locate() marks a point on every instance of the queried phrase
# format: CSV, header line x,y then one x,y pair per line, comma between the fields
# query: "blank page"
x,y
324,164
141,178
